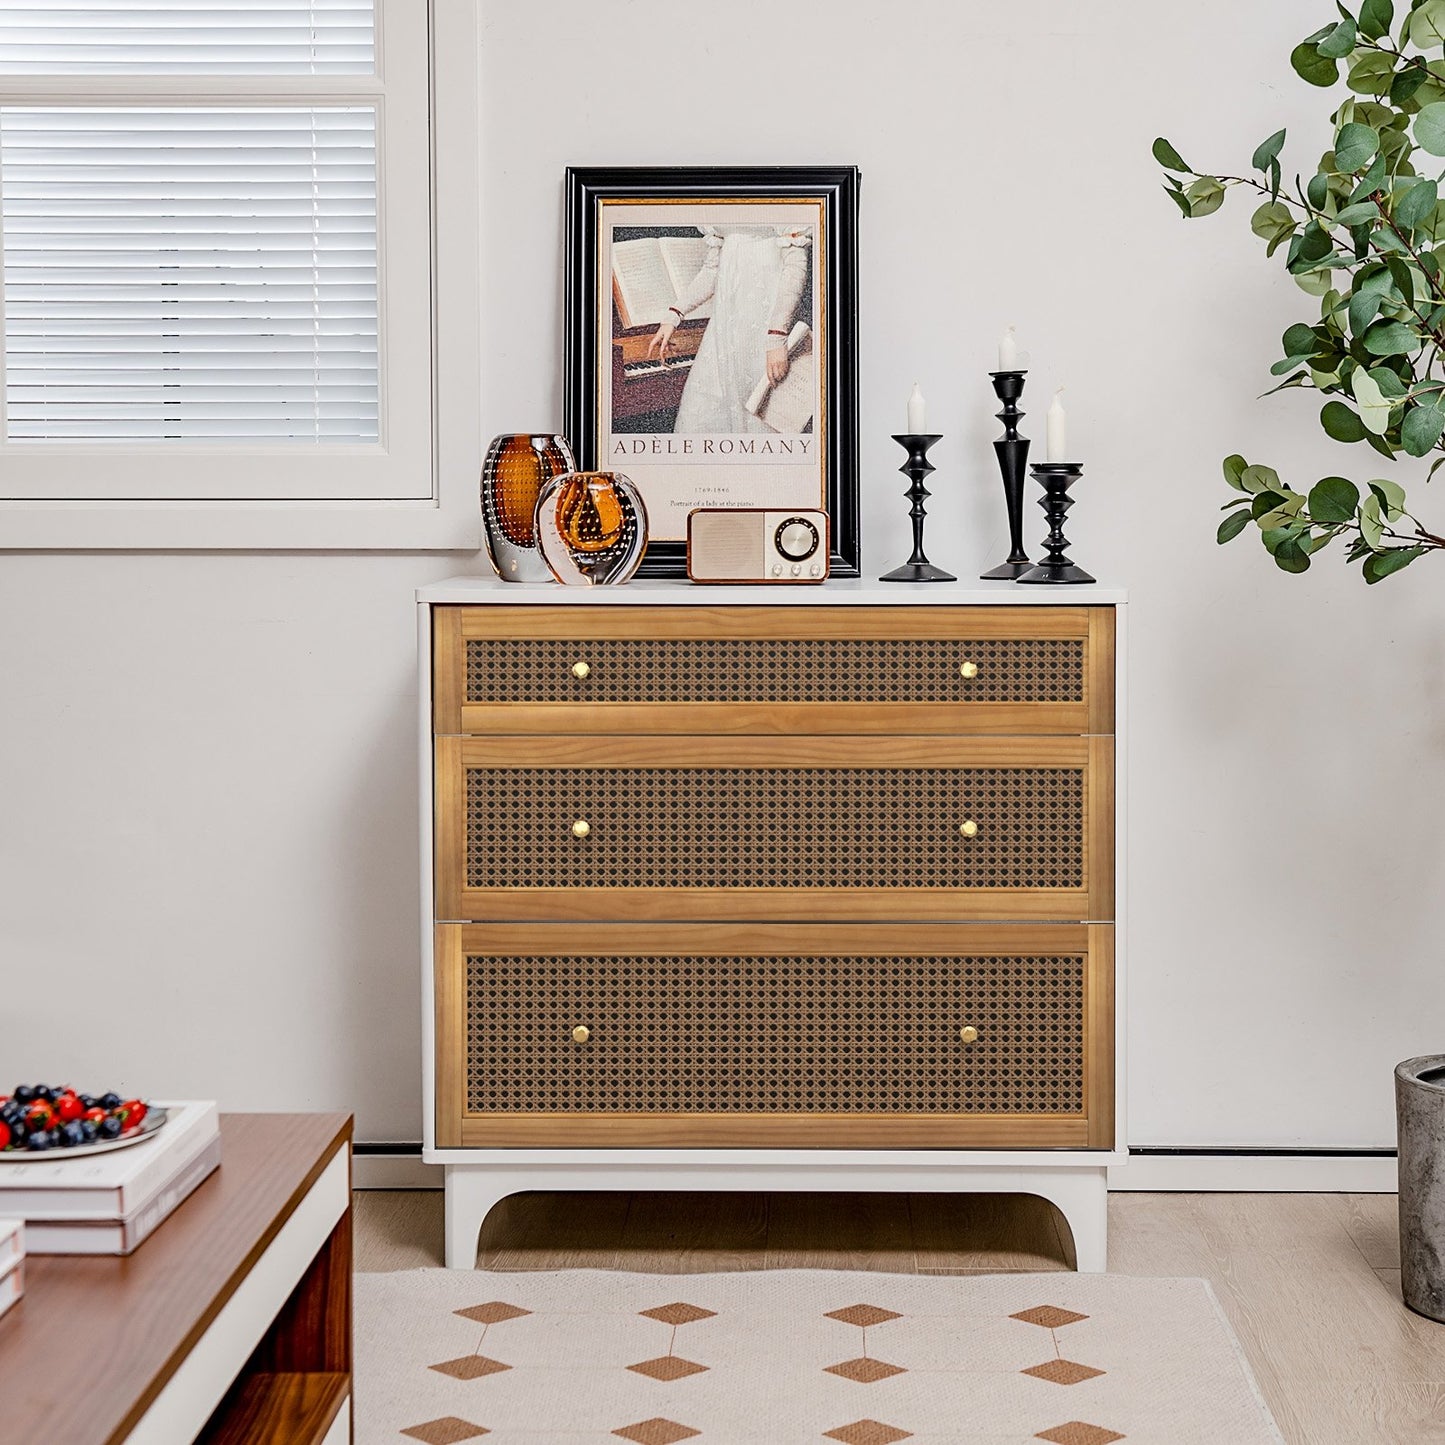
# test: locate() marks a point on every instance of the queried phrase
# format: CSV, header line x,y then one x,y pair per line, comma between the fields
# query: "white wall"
x,y
206,784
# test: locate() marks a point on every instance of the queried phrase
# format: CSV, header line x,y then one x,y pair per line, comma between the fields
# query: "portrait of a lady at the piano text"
x,y
713,354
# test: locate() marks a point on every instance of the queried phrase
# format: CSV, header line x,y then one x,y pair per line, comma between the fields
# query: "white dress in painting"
x,y
755,276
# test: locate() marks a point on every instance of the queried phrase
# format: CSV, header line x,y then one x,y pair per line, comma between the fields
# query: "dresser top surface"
x,y
841,592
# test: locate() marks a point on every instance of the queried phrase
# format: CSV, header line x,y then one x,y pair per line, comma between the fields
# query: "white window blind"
x,y
205,275
215,240
187,37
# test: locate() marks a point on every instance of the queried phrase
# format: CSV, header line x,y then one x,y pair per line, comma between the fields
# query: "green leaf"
x,y
1404,280
1233,470
1340,423
1334,499
1381,564
1310,65
1205,195
1408,81
1232,526
1355,146
1299,340
1369,75
1430,128
1374,409
1272,221
1289,556
1391,497
1358,214
1421,428
1179,201
1371,528
1391,338
1315,245
1376,17
1170,158
1339,42
1390,385
1317,191
1268,501
1415,204
1259,479
1268,151
1364,307
1427,25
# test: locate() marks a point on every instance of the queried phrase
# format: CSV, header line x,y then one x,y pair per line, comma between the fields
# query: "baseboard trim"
x,y
392,1166
1256,1171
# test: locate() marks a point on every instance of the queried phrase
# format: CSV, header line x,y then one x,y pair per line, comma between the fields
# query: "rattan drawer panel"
x,y
819,828
801,669
782,1034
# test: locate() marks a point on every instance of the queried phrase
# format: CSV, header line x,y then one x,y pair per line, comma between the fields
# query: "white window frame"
x,y
440,513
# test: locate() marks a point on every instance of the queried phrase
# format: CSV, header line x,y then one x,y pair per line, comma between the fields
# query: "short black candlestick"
x,y
1013,453
1056,478
917,568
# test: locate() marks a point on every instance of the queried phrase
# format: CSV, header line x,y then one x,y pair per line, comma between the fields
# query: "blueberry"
x,y
89,1129
24,1093
44,1091
18,1134
71,1134
11,1109
40,1139
108,1101
87,1101
110,1128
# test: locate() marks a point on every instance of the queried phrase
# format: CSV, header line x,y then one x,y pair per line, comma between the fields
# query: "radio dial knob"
x,y
797,569
796,539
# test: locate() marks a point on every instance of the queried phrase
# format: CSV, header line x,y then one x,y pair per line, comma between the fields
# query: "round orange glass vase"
x,y
517,467
591,528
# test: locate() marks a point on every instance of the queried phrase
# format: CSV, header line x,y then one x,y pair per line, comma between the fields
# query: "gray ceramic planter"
x,y
1420,1112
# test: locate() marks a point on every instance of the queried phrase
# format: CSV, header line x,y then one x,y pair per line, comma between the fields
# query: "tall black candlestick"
x,y
1013,454
1056,478
917,568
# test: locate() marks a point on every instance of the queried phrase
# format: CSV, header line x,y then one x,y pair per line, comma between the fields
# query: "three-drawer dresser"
x,y
756,888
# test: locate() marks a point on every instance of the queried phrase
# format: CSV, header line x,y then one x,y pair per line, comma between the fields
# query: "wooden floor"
x,y
1310,1281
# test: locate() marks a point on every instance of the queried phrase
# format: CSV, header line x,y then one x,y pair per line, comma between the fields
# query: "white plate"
x,y
155,1118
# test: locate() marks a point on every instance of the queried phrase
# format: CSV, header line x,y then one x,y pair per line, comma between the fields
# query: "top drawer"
x,y
520,668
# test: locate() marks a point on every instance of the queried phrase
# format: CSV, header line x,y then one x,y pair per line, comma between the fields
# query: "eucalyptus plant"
x,y
1366,235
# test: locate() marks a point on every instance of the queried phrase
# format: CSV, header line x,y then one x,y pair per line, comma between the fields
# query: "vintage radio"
x,y
757,544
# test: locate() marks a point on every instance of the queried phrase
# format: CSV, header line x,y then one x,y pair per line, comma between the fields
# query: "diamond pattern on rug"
x,y
657,1432
864,1315
865,1371
469,1367
667,1367
493,1313
867,1432
1049,1317
447,1430
678,1314
1062,1372
1076,1432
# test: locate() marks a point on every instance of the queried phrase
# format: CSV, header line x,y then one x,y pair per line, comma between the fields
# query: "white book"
x,y
113,1185
650,273
122,1236
788,406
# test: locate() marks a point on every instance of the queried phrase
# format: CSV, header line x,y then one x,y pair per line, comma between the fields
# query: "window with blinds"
x,y
192,197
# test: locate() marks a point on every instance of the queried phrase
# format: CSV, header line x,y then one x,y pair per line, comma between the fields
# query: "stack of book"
x,y
108,1203
12,1262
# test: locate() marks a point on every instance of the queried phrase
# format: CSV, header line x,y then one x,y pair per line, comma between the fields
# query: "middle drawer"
x,y
567,828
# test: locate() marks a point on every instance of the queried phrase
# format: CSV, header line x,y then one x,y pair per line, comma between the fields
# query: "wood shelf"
x,y
291,1408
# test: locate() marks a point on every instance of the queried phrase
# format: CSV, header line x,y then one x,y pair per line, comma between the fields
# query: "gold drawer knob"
x,y
967,1034
581,828
968,669
581,671
581,1034
968,828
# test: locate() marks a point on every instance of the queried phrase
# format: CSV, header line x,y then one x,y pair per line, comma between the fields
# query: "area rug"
x,y
783,1356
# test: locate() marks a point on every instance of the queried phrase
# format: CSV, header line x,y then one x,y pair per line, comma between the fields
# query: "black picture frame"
x,y
837,188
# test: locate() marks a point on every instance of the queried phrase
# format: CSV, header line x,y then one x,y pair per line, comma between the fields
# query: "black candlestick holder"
x,y
917,568
1055,478
1013,454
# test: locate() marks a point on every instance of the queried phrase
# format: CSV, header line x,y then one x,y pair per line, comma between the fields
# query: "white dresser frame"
x,y
1075,1181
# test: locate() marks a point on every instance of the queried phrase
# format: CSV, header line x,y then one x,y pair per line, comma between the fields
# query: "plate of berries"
x,y
39,1119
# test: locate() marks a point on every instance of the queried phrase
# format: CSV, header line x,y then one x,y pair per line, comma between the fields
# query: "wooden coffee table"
x,y
230,1324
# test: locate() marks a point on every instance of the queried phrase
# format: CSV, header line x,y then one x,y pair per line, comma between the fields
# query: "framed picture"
x,y
711,346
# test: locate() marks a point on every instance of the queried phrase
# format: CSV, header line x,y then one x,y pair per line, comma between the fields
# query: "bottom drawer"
x,y
962,1035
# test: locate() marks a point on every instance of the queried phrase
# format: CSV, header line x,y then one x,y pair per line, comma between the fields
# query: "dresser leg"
x,y
1082,1197
471,1194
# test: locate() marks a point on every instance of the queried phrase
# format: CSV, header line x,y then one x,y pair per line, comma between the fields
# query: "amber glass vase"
x,y
517,467
591,528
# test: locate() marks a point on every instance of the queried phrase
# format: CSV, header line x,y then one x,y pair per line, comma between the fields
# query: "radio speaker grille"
x,y
775,1034
775,828
897,670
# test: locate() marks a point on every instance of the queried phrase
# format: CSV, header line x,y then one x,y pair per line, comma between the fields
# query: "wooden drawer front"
x,y
787,1034
745,829
782,669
